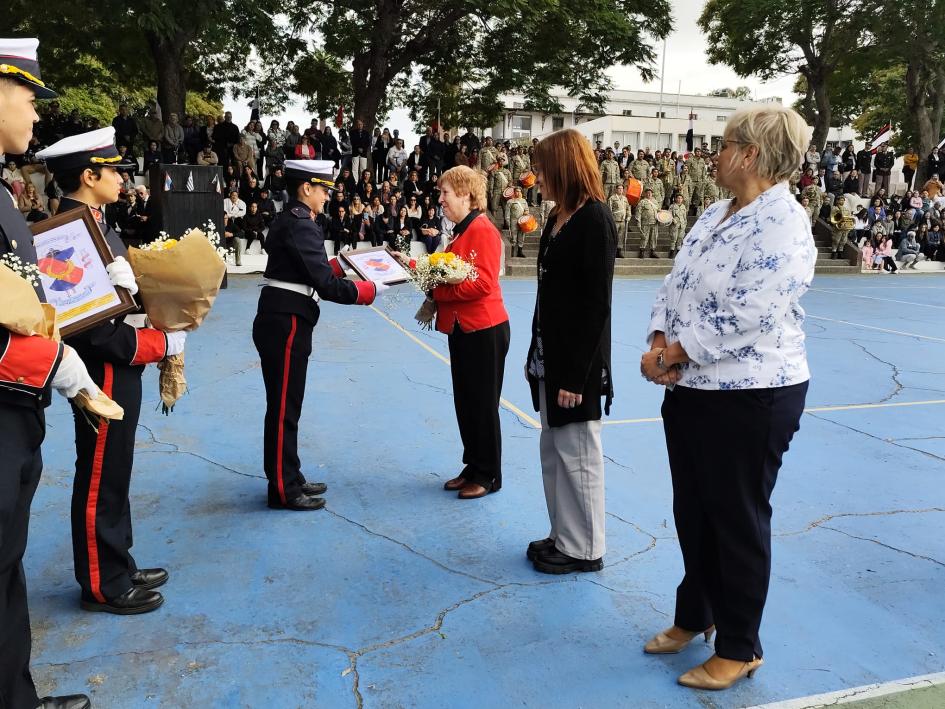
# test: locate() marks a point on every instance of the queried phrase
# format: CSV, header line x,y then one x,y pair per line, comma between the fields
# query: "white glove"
x,y
175,342
73,376
121,274
379,288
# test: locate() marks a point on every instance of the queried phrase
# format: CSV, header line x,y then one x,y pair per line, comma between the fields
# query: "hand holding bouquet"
x,y
178,280
439,269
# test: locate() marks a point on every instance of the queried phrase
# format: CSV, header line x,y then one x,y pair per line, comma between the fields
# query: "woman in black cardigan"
x,y
568,363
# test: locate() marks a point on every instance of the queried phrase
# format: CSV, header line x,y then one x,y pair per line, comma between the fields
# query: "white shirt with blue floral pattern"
x,y
733,298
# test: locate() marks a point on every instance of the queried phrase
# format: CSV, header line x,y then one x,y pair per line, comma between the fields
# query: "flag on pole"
x,y
884,135
254,108
190,181
340,118
941,144
689,133
168,183
215,184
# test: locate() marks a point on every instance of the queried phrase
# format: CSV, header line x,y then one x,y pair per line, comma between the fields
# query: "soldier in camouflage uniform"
x,y
514,208
677,230
646,220
519,164
655,184
546,206
488,156
841,222
816,200
501,179
697,173
610,173
640,168
620,208
710,188
668,174
805,203
706,203
683,186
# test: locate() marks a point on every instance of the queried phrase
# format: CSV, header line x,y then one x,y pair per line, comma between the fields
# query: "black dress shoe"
x,y
314,488
554,562
72,701
300,502
131,602
148,579
536,548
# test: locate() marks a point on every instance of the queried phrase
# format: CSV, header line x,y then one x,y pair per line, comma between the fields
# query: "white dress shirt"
x,y
234,209
732,299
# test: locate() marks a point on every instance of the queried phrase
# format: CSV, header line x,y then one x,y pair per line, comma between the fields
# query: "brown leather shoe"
x,y
455,484
473,491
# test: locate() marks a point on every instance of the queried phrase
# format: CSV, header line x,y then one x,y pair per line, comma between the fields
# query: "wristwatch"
x,y
659,361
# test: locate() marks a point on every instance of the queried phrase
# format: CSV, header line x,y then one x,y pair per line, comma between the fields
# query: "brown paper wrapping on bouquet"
x,y
22,312
178,286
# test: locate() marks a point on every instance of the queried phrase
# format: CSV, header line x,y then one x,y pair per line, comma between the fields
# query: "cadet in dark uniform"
x,y
298,273
86,167
29,367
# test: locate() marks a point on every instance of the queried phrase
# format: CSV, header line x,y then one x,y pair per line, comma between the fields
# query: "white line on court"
x,y
878,329
505,403
812,410
855,694
873,297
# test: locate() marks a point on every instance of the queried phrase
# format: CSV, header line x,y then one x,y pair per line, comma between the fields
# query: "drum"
x,y
527,223
527,180
664,216
509,193
634,191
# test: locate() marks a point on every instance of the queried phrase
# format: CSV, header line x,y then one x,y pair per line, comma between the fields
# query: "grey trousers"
x,y
572,470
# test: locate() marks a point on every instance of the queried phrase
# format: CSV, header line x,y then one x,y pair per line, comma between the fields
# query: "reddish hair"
x,y
569,170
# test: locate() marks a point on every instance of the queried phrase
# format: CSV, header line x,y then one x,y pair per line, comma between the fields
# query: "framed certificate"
x,y
376,264
72,254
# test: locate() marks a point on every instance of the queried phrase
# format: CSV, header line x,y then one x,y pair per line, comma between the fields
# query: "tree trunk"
x,y
818,84
166,53
925,98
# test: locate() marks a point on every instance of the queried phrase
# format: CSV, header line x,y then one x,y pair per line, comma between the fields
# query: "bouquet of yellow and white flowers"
x,y
439,269
178,280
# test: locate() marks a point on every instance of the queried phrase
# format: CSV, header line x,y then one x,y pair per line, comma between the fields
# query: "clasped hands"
x,y
650,369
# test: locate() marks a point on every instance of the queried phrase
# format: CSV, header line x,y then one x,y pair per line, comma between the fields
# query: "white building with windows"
x,y
636,119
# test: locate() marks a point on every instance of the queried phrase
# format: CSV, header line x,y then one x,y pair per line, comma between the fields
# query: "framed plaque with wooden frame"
x,y
72,254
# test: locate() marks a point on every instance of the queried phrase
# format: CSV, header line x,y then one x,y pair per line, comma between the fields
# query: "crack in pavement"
x,y
177,449
441,390
889,513
891,365
883,544
649,547
875,437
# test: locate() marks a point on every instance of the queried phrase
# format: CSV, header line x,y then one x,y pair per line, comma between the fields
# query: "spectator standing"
x,y
360,147
864,166
935,163
275,146
292,139
126,128
330,147
910,163
192,142
226,136
847,160
470,141
173,140
382,146
152,128
397,159
882,168
812,157
344,147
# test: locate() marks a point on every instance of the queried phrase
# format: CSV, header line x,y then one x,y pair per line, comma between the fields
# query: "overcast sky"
x,y
686,63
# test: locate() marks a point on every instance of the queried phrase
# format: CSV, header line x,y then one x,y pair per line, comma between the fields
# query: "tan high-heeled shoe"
x,y
699,677
663,644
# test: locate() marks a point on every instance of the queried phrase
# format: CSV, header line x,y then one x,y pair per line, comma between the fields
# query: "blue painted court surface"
x,y
400,595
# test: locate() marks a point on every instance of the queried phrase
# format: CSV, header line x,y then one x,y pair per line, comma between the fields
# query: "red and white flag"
x,y
884,136
340,117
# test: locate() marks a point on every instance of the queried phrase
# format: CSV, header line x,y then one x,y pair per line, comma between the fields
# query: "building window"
x,y
661,114
520,127
721,118
557,122
627,112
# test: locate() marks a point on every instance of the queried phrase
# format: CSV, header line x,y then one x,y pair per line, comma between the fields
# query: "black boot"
x,y
619,253
653,254
519,253
553,561
641,254
540,547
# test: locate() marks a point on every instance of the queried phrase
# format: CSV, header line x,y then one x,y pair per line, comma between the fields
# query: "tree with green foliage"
x,y
510,46
815,39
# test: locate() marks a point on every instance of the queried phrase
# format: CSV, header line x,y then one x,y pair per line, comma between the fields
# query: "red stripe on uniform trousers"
x,y
91,505
285,391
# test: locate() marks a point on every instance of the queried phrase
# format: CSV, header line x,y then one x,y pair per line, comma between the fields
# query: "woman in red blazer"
x,y
473,315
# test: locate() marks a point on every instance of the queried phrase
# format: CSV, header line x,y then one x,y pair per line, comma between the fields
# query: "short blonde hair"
x,y
466,181
779,133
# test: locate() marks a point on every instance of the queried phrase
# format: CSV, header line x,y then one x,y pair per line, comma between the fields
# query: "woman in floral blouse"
x,y
727,341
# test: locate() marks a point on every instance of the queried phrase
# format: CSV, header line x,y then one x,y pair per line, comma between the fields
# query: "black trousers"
x,y
101,509
284,343
477,364
20,468
725,450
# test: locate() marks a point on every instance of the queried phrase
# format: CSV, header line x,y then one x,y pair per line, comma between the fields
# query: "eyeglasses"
x,y
737,142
